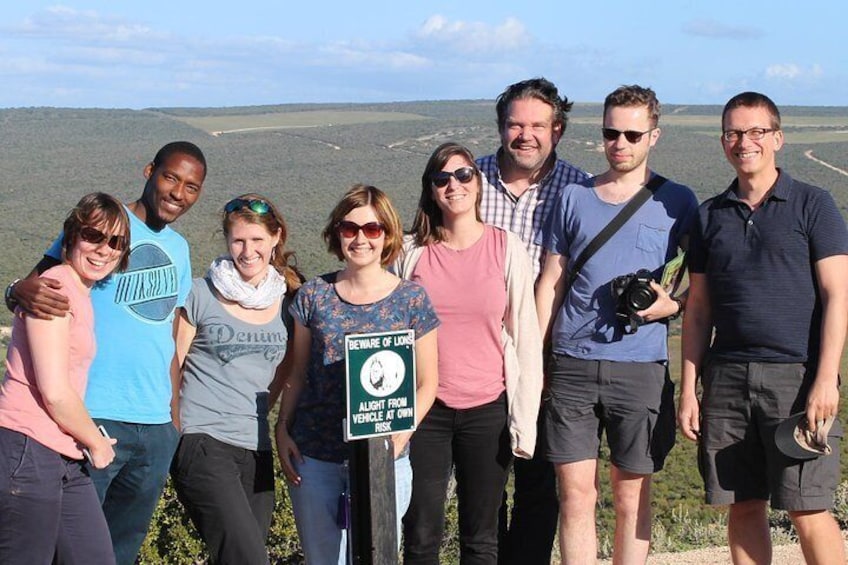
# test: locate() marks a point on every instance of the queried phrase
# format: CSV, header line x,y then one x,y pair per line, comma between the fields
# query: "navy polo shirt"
x,y
759,267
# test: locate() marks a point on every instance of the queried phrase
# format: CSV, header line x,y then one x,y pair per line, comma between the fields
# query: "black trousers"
x,y
476,442
526,536
228,492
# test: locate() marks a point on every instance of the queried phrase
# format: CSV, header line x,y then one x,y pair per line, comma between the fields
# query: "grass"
x,y
287,120
681,519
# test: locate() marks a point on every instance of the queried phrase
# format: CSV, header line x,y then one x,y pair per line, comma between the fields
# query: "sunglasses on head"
x,y
442,178
254,205
95,236
372,230
611,134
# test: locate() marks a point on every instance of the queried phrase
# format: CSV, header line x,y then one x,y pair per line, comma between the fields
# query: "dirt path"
x,y
809,155
782,555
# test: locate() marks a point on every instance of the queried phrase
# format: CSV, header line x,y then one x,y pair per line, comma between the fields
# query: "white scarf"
x,y
227,280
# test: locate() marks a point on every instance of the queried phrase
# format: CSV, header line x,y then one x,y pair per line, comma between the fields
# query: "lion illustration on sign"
x,y
382,373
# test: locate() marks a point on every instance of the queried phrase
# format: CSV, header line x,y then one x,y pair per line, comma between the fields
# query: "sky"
x,y
187,53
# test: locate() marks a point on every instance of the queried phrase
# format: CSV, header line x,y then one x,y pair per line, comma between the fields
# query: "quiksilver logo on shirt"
x,y
150,285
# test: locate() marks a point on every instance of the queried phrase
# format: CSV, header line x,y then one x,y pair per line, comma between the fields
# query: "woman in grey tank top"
x,y
231,338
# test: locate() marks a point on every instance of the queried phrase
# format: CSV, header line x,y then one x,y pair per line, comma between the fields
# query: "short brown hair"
x,y
634,95
428,226
753,100
357,196
97,210
282,259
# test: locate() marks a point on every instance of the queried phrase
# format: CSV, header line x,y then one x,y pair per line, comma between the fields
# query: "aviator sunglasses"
x,y
95,236
254,205
372,230
442,178
611,134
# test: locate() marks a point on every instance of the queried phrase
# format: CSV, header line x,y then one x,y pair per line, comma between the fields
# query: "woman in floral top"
x,y
363,231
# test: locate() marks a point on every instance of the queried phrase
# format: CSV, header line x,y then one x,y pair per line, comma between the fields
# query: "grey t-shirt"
x,y
227,372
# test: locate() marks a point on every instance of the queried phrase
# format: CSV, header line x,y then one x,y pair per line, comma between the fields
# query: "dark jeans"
x,y
47,505
228,492
130,487
476,442
527,536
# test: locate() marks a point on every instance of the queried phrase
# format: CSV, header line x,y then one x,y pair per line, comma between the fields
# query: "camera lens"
x,y
641,296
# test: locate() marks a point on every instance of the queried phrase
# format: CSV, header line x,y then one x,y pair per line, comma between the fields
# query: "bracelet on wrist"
x,y
11,301
679,312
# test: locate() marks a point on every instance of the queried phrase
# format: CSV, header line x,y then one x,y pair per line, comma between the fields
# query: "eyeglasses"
x,y
442,178
95,236
257,206
754,134
372,230
611,134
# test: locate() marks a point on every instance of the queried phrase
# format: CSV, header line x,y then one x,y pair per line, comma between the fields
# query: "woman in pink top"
x,y
480,281
48,505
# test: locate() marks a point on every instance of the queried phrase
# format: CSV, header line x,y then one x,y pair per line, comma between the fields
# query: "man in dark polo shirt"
x,y
768,270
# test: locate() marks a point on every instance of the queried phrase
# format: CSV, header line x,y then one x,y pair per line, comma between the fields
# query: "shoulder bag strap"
x,y
615,224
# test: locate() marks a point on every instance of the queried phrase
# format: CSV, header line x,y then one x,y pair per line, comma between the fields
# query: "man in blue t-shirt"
x,y
768,265
609,373
129,386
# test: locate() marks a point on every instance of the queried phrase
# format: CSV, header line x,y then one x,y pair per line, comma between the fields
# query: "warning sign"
x,y
380,383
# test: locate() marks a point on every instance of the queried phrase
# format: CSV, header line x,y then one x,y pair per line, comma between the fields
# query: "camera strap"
x,y
615,224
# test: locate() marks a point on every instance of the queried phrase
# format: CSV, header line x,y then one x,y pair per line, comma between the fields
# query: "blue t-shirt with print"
x,y
317,426
586,326
129,380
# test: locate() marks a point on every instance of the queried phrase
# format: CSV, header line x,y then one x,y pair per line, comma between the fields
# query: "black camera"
x,y
632,293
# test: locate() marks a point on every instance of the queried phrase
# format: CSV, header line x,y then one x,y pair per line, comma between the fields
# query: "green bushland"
x,y
50,157
681,520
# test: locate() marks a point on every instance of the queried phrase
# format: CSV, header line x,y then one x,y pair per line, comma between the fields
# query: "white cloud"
x,y
789,71
61,22
474,37
718,30
793,71
373,57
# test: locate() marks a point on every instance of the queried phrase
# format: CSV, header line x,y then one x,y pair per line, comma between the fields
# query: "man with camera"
x,y
604,318
769,264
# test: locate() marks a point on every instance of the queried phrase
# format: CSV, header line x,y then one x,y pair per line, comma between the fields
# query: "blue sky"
x,y
151,53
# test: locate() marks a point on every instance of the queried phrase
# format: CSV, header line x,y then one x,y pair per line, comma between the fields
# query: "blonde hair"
x,y
282,260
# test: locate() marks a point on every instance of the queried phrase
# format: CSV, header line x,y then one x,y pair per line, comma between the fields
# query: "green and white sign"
x,y
380,371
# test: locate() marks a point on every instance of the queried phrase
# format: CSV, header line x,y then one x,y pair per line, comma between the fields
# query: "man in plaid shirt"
x,y
520,186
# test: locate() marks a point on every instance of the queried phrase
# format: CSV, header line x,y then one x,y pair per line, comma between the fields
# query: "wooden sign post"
x,y
380,371
373,525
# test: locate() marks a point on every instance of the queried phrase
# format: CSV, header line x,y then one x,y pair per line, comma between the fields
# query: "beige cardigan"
x,y
521,340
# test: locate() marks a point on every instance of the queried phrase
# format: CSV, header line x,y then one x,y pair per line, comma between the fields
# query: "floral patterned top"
x,y
317,426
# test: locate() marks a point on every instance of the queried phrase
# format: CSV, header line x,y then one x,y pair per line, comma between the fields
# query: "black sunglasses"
x,y
442,178
257,206
372,230
611,134
95,236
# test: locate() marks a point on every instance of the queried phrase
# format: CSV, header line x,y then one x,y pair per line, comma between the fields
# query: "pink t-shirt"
x,y
21,406
468,290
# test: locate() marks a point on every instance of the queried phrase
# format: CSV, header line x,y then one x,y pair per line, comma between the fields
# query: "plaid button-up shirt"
x,y
524,215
